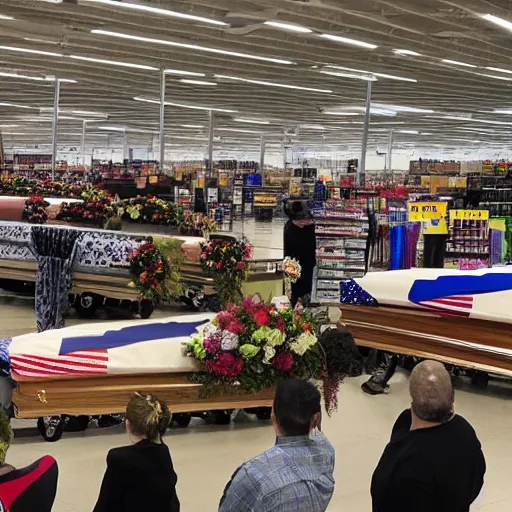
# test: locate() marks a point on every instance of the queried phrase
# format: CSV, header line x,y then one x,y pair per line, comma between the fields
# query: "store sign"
x,y
420,211
469,214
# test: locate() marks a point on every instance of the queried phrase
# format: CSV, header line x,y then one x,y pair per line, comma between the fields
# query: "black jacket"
x,y
438,469
138,478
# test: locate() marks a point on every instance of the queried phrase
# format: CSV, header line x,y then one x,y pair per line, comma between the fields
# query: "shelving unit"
x,y
342,229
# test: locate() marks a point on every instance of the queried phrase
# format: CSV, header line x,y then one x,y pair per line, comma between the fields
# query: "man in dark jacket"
x,y
300,243
434,461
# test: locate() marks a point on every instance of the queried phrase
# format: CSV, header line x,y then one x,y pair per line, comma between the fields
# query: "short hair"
x,y
432,392
148,416
295,404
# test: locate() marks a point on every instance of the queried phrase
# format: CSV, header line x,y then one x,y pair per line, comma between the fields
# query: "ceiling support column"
x,y
84,127
55,126
389,166
211,128
361,168
262,153
162,121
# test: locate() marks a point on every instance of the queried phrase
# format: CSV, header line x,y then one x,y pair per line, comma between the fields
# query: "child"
x,y
141,476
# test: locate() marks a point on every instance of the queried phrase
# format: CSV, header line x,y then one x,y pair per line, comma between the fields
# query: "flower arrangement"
x,y
97,208
149,269
150,209
227,263
196,224
252,345
291,269
34,211
20,186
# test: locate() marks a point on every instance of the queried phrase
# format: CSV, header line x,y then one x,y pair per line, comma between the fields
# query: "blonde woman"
x,y
141,476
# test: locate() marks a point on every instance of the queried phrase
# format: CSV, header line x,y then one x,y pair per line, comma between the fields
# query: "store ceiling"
x,y
441,72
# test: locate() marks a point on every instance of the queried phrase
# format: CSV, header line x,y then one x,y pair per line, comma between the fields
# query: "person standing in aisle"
x,y
434,461
300,243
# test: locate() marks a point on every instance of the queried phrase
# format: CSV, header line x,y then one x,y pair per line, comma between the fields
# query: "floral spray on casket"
x,y
248,347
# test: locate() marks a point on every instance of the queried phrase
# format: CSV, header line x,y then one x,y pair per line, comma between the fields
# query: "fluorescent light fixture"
x,y
192,126
5,17
458,63
16,105
189,46
407,52
250,121
180,105
289,26
350,75
180,72
237,130
29,50
273,84
347,40
342,113
472,120
312,127
498,21
196,82
382,75
155,10
411,132
496,77
499,70
399,108
22,77
425,133
114,63
502,111
111,128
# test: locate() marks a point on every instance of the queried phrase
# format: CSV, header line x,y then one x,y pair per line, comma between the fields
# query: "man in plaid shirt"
x,y
296,475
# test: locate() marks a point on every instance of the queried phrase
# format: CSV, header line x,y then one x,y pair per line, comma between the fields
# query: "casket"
x,y
94,369
462,318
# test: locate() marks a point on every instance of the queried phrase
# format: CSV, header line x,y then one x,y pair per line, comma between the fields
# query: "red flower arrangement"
x,y
149,269
227,263
35,211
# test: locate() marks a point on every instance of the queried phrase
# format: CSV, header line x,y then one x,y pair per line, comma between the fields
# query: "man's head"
x,y
432,393
296,408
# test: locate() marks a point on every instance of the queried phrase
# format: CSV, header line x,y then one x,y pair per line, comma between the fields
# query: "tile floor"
x,y
205,455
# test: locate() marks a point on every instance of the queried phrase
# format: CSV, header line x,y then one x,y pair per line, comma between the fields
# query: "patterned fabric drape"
x,y
55,251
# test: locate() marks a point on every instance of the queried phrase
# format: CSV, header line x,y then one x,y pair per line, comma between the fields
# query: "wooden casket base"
x,y
466,342
109,395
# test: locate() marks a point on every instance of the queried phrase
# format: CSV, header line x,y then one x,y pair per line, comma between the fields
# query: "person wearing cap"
x,y
300,243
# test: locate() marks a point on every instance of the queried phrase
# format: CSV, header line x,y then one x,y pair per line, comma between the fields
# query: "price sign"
x,y
469,214
427,210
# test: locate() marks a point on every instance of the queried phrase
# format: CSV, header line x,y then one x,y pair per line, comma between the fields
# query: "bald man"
x,y
434,461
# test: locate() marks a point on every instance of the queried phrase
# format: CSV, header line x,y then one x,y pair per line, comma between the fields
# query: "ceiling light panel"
x,y
113,63
29,50
189,46
407,52
498,21
250,121
458,63
273,84
180,72
180,105
196,82
349,41
499,70
288,26
154,10
382,75
5,17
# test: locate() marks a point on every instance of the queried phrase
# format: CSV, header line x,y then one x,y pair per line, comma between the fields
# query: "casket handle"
x,y
41,396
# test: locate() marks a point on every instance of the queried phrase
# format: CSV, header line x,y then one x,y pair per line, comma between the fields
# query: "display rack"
x,y
342,230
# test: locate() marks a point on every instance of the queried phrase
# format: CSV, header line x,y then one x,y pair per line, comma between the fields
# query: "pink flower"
x,y
261,318
219,265
283,362
236,327
203,255
226,365
212,344
224,318
280,324
240,266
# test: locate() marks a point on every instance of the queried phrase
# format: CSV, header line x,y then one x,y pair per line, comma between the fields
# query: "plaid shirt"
x,y
296,475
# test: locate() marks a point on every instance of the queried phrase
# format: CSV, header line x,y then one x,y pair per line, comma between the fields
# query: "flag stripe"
x,y
464,305
63,365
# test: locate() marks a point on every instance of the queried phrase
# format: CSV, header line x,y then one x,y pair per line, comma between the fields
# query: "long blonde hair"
x,y
149,417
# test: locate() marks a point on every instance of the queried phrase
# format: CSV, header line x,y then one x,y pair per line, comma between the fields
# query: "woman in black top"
x,y
300,243
141,477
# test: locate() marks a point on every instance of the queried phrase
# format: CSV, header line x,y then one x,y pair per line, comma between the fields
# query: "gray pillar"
x,y
125,145
211,129
162,120
389,172
262,153
55,126
84,127
361,168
